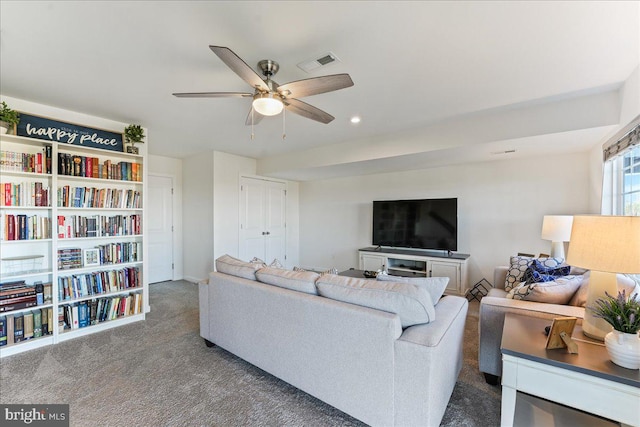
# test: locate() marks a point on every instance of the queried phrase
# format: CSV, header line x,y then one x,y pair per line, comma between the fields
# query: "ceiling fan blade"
x,y
239,67
257,117
212,94
316,85
309,111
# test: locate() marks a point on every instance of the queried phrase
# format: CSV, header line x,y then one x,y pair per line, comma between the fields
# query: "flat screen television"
x,y
420,224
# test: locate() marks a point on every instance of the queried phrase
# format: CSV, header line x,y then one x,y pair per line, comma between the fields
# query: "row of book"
x,y
13,161
27,194
99,282
91,167
88,313
25,227
72,226
85,197
17,295
111,253
25,326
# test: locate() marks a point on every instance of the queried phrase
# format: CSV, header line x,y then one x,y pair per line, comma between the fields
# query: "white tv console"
x,y
416,263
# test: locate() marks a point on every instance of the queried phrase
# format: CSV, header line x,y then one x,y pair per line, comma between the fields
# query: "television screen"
x,y
421,224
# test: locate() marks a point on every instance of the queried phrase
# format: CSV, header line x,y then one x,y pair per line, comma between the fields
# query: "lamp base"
x,y
599,283
557,250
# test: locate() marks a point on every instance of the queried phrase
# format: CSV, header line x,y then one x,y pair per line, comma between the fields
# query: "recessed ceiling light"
x,y
355,119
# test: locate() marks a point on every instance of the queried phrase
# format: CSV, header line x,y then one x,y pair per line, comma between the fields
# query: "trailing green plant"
x,y
134,133
8,115
622,313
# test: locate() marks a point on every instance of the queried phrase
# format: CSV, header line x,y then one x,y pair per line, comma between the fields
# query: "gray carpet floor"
x,y
160,373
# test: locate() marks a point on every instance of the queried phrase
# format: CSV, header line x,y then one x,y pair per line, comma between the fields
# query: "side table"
x,y
587,381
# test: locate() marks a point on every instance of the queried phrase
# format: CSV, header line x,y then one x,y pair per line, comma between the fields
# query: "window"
x,y
621,180
630,182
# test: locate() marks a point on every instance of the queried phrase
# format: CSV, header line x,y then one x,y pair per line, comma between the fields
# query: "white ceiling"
x,y
417,66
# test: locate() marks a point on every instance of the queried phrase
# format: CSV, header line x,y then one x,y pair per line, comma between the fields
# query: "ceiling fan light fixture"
x,y
267,104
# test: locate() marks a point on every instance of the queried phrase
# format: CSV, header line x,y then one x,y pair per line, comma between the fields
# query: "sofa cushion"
x,y
410,302
434,285
303,281
558,291
236,267
625,283
519,264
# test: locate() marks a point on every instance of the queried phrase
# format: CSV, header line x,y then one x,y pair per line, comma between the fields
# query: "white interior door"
x,y
262,219
275,225
160,228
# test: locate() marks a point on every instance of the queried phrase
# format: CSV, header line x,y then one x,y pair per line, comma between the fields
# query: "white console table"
x,y
415,263
587,381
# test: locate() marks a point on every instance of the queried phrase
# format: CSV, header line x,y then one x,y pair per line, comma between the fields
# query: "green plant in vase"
x,y
8,118
623,313
133,134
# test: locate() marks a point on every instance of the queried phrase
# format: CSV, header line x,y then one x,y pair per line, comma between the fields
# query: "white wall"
x,y
629,109
170,167
500,208
227,170
197,224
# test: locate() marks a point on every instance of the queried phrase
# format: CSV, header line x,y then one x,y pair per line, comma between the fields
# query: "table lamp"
x,y
557,228
606,245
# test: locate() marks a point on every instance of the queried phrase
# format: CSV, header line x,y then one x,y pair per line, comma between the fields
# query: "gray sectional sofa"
x,y
358,359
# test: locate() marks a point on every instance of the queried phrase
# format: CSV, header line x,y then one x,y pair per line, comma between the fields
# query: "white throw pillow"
x,y
434,285
236,267
302,281
558,291
410,302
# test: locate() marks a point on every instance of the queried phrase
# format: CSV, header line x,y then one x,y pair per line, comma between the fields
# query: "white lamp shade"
x,y
557,228
605,243
267,104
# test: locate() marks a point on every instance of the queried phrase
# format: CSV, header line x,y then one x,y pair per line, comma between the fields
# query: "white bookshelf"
x,y
37,260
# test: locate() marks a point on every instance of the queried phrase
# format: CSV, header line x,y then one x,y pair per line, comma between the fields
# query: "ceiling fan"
x,y
270,98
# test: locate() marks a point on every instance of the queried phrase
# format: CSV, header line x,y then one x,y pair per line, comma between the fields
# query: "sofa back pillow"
x,y
410,302
236,267
302,281
434,285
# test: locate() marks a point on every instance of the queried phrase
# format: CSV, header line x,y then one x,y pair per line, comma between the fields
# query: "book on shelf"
x,y
28,325
37,323
18,328
3,331
11,331
17,303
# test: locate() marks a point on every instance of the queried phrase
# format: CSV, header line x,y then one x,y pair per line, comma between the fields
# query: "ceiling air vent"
x,y
323,60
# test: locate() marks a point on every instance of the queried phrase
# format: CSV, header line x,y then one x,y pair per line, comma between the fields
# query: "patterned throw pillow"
x,y
519,264
330,271
519,292
256,260
537,272
298,269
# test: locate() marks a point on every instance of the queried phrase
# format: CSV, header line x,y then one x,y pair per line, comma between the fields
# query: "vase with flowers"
x,y
623,313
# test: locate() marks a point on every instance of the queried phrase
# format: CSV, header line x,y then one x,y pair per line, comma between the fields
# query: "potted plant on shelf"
x,y
8,118
133,134
623,343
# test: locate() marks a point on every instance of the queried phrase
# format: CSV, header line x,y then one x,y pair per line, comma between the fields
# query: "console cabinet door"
x,y
450,270
372,262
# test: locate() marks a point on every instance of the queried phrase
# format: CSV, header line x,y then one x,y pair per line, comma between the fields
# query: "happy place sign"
x,y
68,133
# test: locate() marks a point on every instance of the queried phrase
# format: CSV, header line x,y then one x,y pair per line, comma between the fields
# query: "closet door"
x,y
262,219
